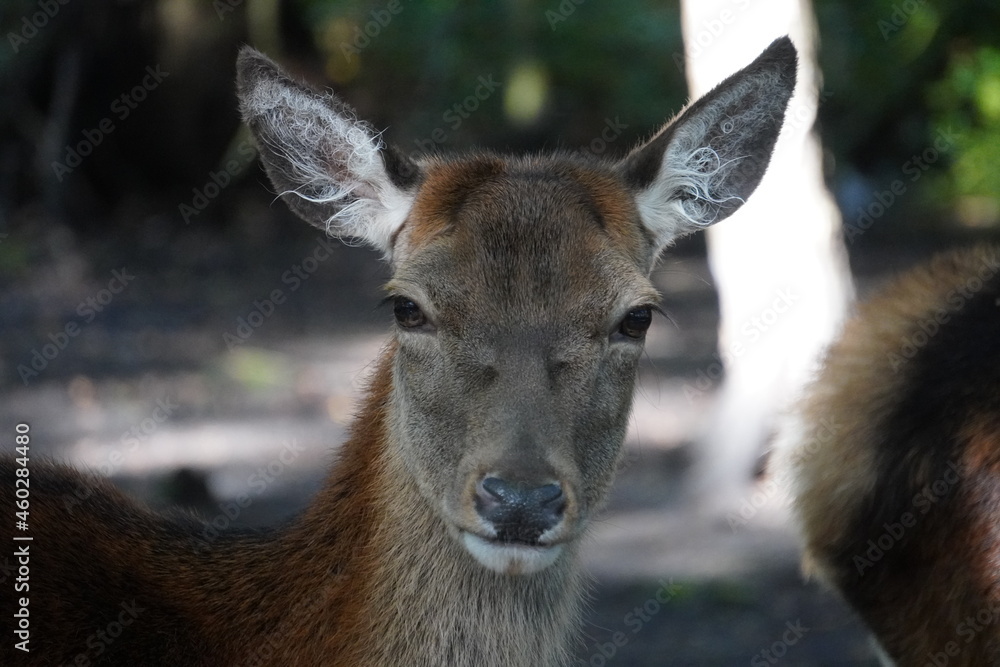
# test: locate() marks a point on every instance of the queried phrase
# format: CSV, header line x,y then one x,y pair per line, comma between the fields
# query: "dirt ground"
x,y
163,389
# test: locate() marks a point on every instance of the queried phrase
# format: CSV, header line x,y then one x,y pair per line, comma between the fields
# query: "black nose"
x,y
519,512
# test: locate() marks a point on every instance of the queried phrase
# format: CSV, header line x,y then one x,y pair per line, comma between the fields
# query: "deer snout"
x,y
520,512
522,521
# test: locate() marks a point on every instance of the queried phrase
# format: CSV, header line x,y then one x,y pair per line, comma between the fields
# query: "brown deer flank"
x,y
896,463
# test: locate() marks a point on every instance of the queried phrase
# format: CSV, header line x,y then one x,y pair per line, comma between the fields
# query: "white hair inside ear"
x,y
328,166
702,166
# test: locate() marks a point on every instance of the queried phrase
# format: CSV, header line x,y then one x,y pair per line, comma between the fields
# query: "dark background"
x,y
895,74
168,192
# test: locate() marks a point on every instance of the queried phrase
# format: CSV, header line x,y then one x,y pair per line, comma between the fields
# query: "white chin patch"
x,y
510,558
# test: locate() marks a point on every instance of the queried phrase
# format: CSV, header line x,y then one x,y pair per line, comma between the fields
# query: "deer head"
x,y
520,288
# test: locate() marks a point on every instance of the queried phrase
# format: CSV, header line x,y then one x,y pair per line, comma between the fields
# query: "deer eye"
x,y
636,322
408,313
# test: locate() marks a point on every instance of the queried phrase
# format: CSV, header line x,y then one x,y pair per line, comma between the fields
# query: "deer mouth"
x,y
513,557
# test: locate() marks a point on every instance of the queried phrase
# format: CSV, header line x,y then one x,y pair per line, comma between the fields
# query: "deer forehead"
x,y
536,236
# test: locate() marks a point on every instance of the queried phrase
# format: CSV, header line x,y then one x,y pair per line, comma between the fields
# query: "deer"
x,y
894,461
448,529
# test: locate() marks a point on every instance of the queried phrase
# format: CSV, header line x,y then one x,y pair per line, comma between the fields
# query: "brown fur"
x,y
287,588
904,423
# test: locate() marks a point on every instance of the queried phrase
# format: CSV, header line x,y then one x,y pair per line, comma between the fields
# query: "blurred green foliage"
x,y
564,69
899,74
966,102
906,78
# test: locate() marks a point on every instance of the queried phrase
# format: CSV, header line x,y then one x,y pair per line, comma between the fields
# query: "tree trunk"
x,y
779,263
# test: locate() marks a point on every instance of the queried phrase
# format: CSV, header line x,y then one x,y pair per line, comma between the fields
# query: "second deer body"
x,y
896,464
447,533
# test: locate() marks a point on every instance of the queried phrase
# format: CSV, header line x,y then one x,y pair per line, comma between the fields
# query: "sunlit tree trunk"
x,y
779,263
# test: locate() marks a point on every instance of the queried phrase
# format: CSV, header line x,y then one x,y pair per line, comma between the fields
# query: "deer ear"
x,y
702,166
331,169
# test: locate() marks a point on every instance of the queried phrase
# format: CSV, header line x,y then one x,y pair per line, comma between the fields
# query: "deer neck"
x,y
403,586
